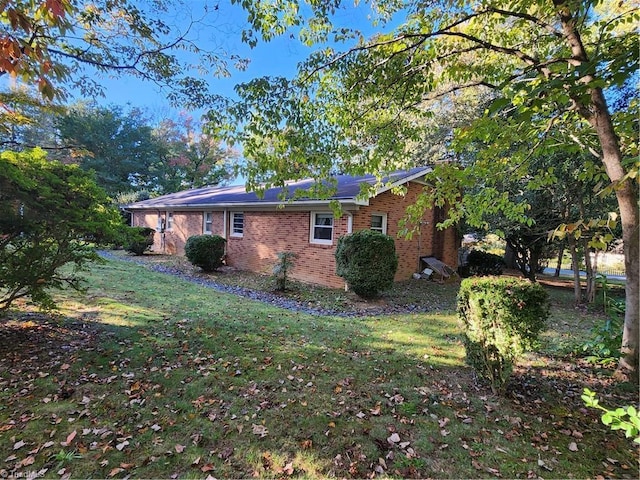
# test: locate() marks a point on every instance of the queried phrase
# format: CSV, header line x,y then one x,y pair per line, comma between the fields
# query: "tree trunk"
x,y
596,112
559,264
577,290
591,269
627,197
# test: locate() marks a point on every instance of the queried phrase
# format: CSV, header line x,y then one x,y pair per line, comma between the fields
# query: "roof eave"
x,y
346,202
409,178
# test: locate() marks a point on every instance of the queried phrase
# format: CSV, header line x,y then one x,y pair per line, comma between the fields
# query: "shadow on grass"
x,y
151,376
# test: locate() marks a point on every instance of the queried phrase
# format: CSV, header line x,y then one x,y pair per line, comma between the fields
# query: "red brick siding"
x,y
426,242
267,233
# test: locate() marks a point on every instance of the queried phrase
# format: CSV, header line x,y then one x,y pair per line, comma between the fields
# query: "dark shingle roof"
x,y
347,190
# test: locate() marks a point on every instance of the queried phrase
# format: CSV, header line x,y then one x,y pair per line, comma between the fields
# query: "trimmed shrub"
x,y
482,263
502,318
282,268
205,251
138,239
367,260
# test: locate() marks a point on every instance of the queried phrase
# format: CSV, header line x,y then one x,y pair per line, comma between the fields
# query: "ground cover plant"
x,y
150,375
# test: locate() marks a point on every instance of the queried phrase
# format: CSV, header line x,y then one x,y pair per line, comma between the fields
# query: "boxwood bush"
x,y
502,318
484,263
367,260
205,251
138,240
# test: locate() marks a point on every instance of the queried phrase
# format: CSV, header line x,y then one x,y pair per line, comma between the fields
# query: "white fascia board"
x,y
296,205
403,180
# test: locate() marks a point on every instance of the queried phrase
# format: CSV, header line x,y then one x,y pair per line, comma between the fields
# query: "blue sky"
x,y
221,31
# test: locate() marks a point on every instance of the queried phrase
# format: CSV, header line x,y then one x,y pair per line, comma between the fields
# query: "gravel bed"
x,y
266,297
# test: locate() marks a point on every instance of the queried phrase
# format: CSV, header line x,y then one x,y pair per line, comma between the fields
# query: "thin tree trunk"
x,y
577,290
559,264
589,263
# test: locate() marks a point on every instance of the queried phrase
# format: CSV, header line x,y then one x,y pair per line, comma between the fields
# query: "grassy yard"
x,y
149,375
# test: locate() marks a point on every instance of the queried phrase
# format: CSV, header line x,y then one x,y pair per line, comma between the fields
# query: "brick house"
x,y
257,229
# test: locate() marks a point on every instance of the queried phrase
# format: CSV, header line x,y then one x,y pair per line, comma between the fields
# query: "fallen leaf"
x,y
179,448
121,446
573,446
207,468
288,468
18,445
69,439
393,438
260,430
30,460
375,410
115,471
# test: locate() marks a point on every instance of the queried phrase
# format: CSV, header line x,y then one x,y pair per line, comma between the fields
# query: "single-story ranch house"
x,y
257,229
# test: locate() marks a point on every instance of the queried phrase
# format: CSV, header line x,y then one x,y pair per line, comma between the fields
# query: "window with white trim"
x,y
237,224
208,223
321,228
379,222
165,222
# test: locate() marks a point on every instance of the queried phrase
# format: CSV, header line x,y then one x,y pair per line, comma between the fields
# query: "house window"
x,y
379,222
237,224
208,223
322,228
165,222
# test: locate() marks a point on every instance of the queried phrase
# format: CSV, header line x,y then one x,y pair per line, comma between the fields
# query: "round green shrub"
x,y
138,239
205,251
367,260
502,318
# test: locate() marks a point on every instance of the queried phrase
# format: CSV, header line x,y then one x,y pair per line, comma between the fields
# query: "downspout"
x,y
225,234
349,231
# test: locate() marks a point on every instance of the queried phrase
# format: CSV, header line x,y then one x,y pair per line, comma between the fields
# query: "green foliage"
x,y
189,158
117,144
626,418
604,345
50,214
361,104
282,269
503,318
61,45
367,260
606,335
205,251
482,263
139,239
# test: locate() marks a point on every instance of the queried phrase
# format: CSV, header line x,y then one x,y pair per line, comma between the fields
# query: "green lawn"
x,y
152,376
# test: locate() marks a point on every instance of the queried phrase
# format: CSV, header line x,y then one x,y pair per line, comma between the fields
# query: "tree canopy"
x,y
359,103
59,45
50,213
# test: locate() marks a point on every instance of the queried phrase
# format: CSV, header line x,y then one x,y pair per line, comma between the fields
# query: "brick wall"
x,y
268,233
426,241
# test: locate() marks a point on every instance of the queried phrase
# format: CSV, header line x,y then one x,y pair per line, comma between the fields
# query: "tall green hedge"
x,y
367,260
503,318
205,251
